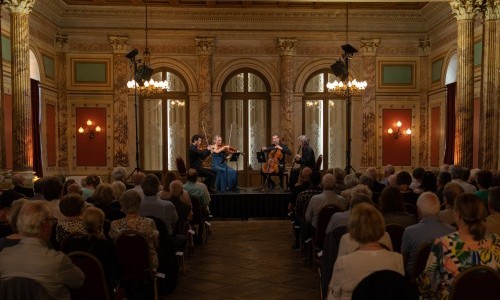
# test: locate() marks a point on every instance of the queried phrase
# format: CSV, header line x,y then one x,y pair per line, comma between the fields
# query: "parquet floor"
x,y
247,260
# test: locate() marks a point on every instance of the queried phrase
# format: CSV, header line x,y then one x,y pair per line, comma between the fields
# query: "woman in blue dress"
x,y
226,176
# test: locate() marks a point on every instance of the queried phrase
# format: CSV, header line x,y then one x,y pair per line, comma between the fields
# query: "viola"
x,y
272,164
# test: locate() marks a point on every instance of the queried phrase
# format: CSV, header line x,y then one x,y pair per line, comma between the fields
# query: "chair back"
x,y
94,286
181,166
162,230
480,282
319,162
384,285
19,288
330,252
325,214
132,254
197,211
421,260
411,209
395,231
73,241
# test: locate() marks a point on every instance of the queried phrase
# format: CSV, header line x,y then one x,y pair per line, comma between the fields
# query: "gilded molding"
x,y
492,9
465,9
119,43
205,45
424,47
369,47
19,6
61,42
287,46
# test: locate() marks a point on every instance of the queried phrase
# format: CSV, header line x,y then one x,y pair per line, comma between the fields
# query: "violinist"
x,y
304,157
276,153
196,157
226,176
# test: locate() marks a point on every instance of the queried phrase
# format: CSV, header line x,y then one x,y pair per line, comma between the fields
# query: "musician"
x,y
276,145
304,157
196,157
226,176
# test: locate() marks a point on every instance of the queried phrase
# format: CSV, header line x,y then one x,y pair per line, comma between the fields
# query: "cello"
x,y
272,164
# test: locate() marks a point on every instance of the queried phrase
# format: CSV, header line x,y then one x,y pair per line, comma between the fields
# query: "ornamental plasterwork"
x,y
41,34
465,9
243,50
320,49
444,41
398,50
19,6
61,42
424,47
205,45
492,9
287,46
369,47
119,43
89,47
185,48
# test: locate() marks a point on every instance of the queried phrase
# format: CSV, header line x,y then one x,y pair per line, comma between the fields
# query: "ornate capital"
x,y
61,42
492,9
369,47
465,9
20,6
424,47
287,46
119,43
205,45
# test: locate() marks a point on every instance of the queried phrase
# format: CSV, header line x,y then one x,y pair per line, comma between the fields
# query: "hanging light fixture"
x,y
347,84
143,83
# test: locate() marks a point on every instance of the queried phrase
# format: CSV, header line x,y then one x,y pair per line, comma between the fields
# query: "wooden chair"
x,y
19,288
395,231
319,162
94,286
330,252
324,217
384,285
421,260
181,168
69,239
132,254
480,282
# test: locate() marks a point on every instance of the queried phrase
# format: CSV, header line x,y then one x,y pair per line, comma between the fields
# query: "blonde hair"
x,y
130,201
31,217
118,188
93,220
103,194
15,208
366,224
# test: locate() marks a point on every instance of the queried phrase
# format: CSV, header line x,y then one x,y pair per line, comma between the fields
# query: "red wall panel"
x,y
50,124
435,135
91,152
396,152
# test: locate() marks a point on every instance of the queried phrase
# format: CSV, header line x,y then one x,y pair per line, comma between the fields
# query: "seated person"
x,y
71,206
15,237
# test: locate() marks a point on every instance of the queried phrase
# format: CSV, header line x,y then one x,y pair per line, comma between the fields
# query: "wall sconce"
x,y
399,133
91,132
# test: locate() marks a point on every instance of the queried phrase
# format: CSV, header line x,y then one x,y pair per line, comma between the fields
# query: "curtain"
x,y
37,147
450,123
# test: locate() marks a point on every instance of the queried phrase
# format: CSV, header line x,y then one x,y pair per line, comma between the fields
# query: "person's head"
x,y
71,205
119,174
150,185
465,174
35,220
315,178
366,224
359,198
171,176
450,193
91,181
196,139
103,194
118,188
176,188
14,213
7,197
38,186
403,179
484,179
303,140
444,168
429,182
93,220
305,175
428,204
456,172
372,172
366,180
276,138
361,189
389,170
52,188
217,140
66,184
443,178
470,214
192,175
17,179
391,200
417,173
391,180
130,202
75,188
351,180
328,182
494,200
138,178
339,174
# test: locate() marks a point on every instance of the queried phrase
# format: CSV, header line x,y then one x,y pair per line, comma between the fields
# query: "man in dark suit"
x,y
306,159
196,157
17,181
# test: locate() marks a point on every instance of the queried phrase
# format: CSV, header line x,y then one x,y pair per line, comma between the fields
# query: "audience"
x,y
388,171
18,182
339,219
89,184
392,207
428,183
351,180
303,199
493,220
442,179
32,259
428,229
339,175
138,178
403,181
366,227
38,189
450,193
471,245
377,187
120,174
457,174
197,189
52,190
71,206
416,175
12,215
6,200
66,184
165,192
103,198
484,180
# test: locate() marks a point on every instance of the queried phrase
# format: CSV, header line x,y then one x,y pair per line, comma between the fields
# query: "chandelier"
x,y
347,85
143,83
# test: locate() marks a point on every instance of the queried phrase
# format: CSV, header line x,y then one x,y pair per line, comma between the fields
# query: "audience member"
x,y
89,184
366,227
103,198
428,183
6,199
416,175
15,237
118,189
165,192
138,178
388,171
484,179
377,187
339,175
391,180
177,193
18,182
493,220
120,174
303,183
75,188
71,206
52,190
351,180
38,189
471,245
392,207
403,181
450,193
457,174
32,259
428,229
339,219
442,179
66,184
197,189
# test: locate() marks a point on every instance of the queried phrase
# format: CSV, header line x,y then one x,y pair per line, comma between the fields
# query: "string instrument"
x,y
273,159
298,151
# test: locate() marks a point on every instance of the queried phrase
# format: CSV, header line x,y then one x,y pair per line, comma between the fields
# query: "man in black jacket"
x,y
196,157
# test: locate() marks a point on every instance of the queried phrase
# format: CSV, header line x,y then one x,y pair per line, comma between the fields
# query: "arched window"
x,y
164,122
245,118
324,119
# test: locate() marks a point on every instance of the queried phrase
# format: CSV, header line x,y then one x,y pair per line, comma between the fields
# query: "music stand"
x,y
261,158
234,157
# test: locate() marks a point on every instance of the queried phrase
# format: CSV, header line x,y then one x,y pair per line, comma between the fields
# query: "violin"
x,y
273,159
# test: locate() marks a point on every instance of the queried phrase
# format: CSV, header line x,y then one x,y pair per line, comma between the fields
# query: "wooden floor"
x,y
247,260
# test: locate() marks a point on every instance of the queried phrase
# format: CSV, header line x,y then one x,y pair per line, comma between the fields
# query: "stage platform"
x,y
250,203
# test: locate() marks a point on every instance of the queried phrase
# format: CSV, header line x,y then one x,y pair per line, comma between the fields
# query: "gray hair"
x,y
428,204
119,174
361,189
351,180
130,201
328,182
118,189
31,217
303,138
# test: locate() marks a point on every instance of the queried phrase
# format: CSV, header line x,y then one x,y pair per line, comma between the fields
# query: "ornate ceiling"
x,y
254,4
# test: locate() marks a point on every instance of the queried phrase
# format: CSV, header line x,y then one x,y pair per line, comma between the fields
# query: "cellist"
x,y
271,151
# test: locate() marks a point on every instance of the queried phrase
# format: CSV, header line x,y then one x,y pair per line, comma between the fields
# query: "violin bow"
x,y
230,132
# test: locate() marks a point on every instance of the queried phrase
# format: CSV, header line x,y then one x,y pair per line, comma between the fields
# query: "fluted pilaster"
x,y
464,11
205,46
61,45
369,136
3,155
22,135
489,127
287,50
424,47
121,74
